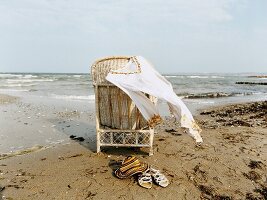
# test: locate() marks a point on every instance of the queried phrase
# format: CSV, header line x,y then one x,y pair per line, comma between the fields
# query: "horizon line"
x,y
166,73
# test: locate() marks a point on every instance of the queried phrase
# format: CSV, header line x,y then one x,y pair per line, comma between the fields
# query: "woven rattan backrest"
x,y
101,68
116,109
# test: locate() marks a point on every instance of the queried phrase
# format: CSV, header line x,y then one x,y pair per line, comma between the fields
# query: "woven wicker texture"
x,y
118,121
116,108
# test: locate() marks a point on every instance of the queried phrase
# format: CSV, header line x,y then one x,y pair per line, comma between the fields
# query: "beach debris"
x,y
76,155
251,83
208,192
262,191
255,164
248,115
61,158
209,95
252,175
2,188
258,76
74,137
79,139
90,194
15,186
173,132
170,130
250,196
206,189
69,114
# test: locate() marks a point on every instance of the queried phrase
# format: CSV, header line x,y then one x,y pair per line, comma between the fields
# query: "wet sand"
x,y
7,99
230,164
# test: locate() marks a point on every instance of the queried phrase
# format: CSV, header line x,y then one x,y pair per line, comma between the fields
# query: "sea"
x,y
197,90
45,97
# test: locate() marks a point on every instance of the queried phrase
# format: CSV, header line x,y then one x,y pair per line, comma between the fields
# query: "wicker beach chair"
x,y
118,121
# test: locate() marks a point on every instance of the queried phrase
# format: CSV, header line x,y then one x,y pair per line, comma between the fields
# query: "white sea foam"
x,y
10,75
73,97
197,76
18,85
29,76
174,76
13,90
28,80
77,76
206,102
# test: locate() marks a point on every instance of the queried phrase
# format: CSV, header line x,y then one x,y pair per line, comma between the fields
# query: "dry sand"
x,y
231,163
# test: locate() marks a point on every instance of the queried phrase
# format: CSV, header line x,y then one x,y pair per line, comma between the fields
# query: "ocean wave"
x,y
13,90
201,76
28,80
73,97
29,76
19,85
172,76
10,75
217,77
198,76
206,102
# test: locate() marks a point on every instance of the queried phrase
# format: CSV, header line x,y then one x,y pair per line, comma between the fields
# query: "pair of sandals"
x,y
145,179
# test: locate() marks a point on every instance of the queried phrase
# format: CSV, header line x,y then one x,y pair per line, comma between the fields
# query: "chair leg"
x,y
151,138
98,142
98,149
151,151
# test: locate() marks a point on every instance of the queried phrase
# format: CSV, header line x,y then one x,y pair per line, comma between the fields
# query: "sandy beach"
x,y
230,164
82,83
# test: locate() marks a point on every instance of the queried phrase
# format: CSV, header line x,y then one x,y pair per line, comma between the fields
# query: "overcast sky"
x,y
175,35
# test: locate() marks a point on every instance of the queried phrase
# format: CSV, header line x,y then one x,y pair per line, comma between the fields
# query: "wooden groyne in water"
x,y
252,83
260,76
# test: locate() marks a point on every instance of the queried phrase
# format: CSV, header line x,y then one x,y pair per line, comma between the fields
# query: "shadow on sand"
x,y
78,129
88,132
1,192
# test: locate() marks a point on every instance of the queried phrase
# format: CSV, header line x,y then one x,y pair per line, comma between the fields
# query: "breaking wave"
x,y
73,97
28,80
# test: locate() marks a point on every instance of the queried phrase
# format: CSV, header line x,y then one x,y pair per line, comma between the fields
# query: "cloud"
x,y
96,14
71,33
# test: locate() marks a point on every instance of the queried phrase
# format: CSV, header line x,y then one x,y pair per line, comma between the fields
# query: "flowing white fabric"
x,y
138,77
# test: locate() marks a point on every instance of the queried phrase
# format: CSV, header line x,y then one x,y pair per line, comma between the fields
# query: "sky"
x,y
177,36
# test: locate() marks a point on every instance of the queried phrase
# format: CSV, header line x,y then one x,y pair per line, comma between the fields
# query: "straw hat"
x,y
130,166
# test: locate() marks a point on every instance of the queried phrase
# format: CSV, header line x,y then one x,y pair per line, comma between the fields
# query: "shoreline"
x,y
231,163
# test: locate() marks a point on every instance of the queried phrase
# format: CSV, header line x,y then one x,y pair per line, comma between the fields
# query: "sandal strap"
x,y
145,177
